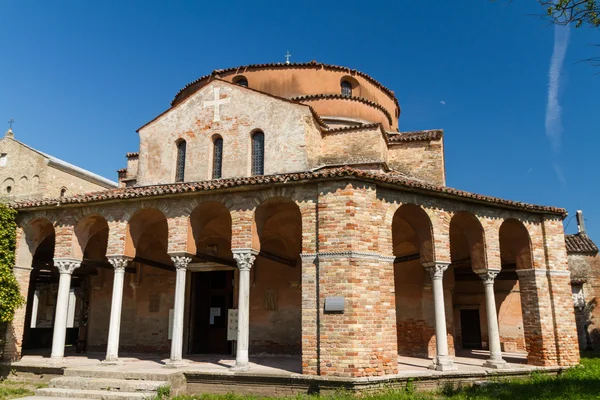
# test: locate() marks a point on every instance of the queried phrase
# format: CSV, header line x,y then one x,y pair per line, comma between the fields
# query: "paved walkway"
x,y
466,361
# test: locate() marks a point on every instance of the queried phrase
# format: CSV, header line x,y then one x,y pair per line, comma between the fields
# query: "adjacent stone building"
x,y
584,264
278,209
27,173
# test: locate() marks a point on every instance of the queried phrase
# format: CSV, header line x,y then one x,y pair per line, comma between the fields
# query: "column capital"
x,y
245,260
436,269
488,276
67,265
119,263
181,261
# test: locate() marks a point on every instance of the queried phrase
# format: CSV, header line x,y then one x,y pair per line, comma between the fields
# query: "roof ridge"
x,y
342,97
346,171
389,92
70,166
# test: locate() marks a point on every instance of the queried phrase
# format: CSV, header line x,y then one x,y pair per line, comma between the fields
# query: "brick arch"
x,y
147,232
38,234
278,219
467,240
412,230
515,244
209,229
90,235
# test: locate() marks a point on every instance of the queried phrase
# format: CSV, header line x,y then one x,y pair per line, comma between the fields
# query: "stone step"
x,y
49,398
119,385
110,373
92,394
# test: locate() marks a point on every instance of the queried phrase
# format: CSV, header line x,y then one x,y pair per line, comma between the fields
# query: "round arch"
x,y
467,241
515,244
412,232
209,230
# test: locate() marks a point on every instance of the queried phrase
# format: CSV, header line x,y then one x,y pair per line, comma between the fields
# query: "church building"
x,y
278,209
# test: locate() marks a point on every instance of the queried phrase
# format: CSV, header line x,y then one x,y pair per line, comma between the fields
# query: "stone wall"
x,y
283,124
421,159
30,176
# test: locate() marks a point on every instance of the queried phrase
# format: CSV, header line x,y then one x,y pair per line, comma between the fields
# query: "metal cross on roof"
x,y
10,122
287,57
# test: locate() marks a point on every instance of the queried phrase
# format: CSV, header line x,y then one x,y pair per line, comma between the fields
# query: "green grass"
x,y
580,383
14,390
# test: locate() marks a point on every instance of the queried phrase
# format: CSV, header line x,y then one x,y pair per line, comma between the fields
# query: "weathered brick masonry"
x,y
318,196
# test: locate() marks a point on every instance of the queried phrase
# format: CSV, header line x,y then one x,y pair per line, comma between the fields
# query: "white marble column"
x,y
181,264
495,360
114,327
442,361
244,261
65,268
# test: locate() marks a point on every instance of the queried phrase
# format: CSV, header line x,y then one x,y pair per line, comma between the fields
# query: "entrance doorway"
x,y
212,298
470,328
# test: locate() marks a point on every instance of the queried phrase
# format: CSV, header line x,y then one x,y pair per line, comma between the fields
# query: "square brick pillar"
x,y
361,342
566,329
538,321
15,331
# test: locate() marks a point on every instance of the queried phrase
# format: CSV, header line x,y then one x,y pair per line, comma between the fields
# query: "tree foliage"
x,y
577,12
10,297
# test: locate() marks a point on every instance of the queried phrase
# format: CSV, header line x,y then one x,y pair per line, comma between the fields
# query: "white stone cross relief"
x,y
216,103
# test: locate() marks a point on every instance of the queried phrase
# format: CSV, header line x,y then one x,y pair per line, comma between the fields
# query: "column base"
x,y
174,364
443,364
111,361
496,364
240,367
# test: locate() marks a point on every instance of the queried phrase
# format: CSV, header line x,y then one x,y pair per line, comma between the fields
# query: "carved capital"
x,y
67,266
181,262
488,277
436,270
119,263
244,260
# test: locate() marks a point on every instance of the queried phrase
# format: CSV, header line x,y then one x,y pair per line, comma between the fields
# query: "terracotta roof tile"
x,y
432,134
580,243
354,128
339,96
122,170
312,64
322,174
132,155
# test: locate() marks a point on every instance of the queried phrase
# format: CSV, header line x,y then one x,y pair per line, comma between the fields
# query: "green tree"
x,y
577,12
10,297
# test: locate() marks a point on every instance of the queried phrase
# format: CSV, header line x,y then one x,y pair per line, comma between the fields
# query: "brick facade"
x,y
344,252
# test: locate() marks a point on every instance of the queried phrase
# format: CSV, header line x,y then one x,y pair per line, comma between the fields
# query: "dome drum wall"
x,y
296,80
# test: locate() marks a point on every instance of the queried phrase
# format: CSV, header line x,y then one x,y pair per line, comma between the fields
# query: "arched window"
x,y
63,191
241,80
180,171
8,189
258,153
217,158
346,89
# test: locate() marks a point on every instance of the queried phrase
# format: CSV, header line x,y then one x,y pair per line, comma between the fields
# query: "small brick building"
x,y
27,173
286,192
584,264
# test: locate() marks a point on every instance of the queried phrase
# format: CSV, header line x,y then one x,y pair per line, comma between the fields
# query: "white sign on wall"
x,y
232,324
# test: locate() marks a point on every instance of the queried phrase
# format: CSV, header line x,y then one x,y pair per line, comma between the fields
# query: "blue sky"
x,y
80,77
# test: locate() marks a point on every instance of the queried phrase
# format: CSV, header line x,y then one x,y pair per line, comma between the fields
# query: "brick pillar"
x,y
13,339
566,329
538,322
310,317
559,285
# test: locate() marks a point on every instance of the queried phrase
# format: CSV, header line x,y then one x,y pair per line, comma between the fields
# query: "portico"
x,y
163,272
